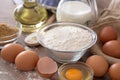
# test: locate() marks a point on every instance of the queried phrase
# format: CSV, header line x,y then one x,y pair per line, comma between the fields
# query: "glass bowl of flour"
x,y
66,42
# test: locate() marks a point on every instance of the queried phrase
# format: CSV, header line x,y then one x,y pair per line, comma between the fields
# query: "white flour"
x,y
67,38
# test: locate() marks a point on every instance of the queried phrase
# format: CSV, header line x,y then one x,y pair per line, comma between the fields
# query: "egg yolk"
x,y
74,74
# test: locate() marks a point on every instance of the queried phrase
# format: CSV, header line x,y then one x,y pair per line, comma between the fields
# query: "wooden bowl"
x,y
97,48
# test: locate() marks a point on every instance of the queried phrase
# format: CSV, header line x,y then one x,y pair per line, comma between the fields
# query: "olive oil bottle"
x,y
31,15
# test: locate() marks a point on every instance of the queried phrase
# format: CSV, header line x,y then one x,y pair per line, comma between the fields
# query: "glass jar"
x,y
77,11
31,15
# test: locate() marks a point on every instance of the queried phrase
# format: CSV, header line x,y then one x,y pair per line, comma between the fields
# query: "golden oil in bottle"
x,y
31,15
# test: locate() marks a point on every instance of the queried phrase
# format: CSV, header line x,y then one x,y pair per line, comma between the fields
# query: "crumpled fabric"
x,y
109,17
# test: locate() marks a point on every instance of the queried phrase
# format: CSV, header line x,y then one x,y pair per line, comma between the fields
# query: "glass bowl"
x,y
66,42
9,33
87,71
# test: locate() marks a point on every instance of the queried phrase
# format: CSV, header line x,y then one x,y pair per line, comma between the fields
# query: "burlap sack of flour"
x,y
109,17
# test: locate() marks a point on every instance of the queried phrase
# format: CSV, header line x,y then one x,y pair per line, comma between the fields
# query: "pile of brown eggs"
x,y
26,60
101,67
111,46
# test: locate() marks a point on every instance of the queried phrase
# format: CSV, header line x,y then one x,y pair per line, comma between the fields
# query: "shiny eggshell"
x,y
98,64
26,60
114,71
46,67
108,33
10,51
112,48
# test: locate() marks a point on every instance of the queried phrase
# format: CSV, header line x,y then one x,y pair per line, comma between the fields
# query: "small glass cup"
x,y
66,56
86,70
12,38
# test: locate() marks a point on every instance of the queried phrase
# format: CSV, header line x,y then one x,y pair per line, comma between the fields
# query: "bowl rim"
x,y
94,36
17,33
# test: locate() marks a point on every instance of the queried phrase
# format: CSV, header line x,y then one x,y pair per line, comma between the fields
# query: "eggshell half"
x,y
46,67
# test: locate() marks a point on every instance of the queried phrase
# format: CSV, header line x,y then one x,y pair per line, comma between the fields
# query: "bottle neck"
x,y
30,3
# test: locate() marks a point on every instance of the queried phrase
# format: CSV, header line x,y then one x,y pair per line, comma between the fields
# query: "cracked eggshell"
x,y
47,67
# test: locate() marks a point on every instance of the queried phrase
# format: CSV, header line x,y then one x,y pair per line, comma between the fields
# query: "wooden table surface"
x,y
8,71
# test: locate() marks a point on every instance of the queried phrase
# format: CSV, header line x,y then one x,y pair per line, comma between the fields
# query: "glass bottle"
x,y
31,15
77,11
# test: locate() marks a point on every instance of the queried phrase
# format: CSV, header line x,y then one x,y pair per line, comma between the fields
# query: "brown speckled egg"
x,y
26,60
46,67
98,64
114,71
10,51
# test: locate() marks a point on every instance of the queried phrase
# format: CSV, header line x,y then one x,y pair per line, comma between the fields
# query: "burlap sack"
x,y
111,17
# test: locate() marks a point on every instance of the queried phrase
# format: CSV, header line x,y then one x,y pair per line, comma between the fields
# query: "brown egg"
x,y
26,60
108,33
10,51
98,64
114,71
112,48
46,67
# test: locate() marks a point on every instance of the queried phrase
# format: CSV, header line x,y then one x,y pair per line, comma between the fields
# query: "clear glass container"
x,y
61,44
11,36
31,15
77,11
86,70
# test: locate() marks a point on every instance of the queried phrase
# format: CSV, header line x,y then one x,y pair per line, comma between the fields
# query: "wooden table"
x,y
8,71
